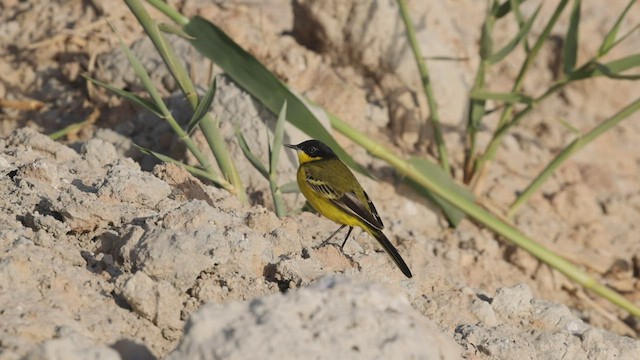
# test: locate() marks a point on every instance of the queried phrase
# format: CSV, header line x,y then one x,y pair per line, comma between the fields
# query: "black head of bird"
x,y
314,150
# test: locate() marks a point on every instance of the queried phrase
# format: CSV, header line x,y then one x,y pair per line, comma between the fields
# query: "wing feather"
x,y
347,201
350,203
321,187
374,212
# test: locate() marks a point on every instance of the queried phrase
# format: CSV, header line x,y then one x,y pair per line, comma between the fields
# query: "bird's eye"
x,y
313,150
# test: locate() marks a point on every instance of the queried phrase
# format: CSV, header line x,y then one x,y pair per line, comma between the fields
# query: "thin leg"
x,y
332,235
347,237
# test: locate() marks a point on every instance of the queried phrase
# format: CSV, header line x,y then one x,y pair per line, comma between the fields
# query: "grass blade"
x,y
213,177
510,98
170,29
522,34
277,141
278,202
203,107
617,66
170,58
290,187
149,105
476,112
437,174
486,40
570,51
611,69
253,159
259,82
568,126
610,40
610,73
142,74
505,8
623,37
576,145
169,11
515,7
434,116
75,127
274,158
445,58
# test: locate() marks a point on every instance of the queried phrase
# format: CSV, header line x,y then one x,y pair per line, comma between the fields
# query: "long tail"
x,y
386,244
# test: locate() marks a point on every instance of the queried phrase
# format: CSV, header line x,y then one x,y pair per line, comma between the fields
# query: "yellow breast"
x,y
324,206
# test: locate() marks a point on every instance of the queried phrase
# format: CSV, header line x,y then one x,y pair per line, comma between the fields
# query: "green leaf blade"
x,y
506,7
623,64
277,141
486,40
612,69
171,29
290,187
570,50
192,169
435,173
254,77
140,101
253,159
510,98
142,74
610,40
511,45
203,107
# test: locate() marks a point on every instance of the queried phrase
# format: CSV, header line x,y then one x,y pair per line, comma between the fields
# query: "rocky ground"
x,y
108,254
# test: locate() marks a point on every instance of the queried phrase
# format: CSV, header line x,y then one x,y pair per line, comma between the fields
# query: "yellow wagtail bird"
x,y
334,192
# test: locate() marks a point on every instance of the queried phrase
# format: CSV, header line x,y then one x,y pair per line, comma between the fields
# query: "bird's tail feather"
x,y
391,250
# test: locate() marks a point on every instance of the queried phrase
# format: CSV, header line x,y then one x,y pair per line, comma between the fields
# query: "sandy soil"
x,y
107,254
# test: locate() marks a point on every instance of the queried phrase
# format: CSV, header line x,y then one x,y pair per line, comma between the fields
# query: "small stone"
x,y
512,301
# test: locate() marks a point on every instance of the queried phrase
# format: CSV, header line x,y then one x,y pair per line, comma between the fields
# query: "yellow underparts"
x,y
323,205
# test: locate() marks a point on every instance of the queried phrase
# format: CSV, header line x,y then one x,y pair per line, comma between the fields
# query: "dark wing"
x,y
351,204
321,187
374,212
347,201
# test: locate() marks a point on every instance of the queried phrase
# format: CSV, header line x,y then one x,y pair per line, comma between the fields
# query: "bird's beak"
x,y
295,147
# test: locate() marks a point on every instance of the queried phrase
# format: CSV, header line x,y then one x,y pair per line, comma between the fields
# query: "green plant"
x,y
426,85
231,180
477,163
157,106
270,174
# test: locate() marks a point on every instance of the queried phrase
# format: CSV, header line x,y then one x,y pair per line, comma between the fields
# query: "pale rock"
x,y
335,318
